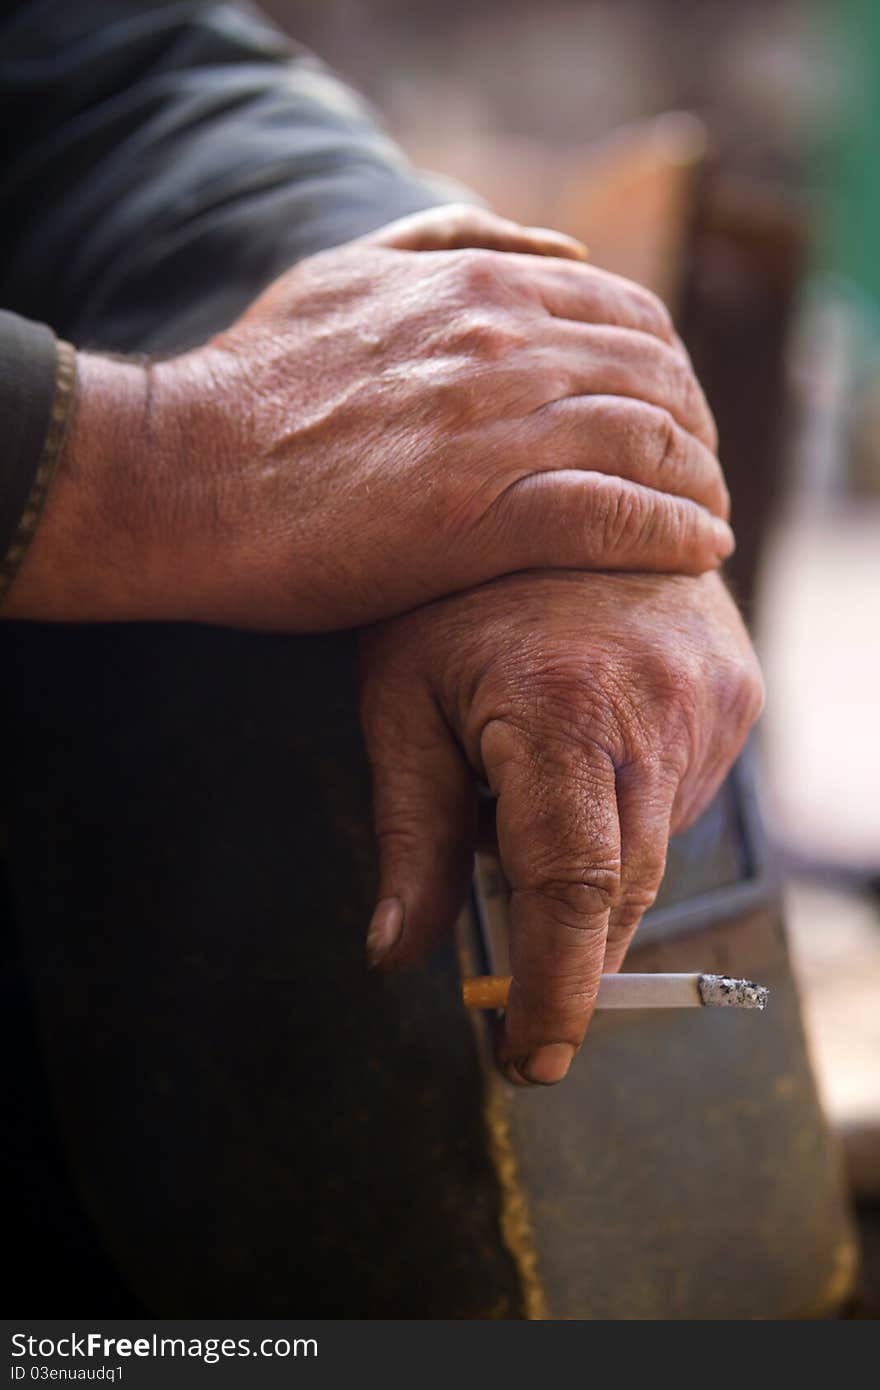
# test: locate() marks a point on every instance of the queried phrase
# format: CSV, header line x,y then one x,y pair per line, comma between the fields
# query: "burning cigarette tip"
x,y
721,990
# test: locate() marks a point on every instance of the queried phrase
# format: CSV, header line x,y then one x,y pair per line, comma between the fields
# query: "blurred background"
x,y
725,153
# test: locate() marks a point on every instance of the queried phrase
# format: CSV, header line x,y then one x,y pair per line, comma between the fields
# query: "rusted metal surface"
x,y
684,1170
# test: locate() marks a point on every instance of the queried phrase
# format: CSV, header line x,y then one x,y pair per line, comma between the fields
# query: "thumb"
x,y
459,226
425,819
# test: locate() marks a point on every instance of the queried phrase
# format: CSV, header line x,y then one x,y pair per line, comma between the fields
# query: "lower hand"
x,y
603,711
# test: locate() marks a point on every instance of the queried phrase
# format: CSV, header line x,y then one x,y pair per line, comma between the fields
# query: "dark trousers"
x,y
253,1124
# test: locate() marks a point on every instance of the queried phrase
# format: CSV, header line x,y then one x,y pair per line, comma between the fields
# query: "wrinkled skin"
x,y
603,711
406,426
382,428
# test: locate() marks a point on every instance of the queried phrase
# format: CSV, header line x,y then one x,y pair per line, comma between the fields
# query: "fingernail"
x,y
726,540
385,927
547,1064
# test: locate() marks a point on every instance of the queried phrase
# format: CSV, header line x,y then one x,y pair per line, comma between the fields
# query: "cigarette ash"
x,y
735,994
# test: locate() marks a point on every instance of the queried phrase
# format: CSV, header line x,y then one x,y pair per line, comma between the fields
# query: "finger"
x,y
634,440
560,850
425,820
598,359
644,806
458,226
586,294
565,519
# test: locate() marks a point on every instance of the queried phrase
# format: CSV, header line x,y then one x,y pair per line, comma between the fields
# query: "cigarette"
x,y
637,992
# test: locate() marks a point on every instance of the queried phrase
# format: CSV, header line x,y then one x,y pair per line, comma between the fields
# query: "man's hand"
x,y
603,711
380,429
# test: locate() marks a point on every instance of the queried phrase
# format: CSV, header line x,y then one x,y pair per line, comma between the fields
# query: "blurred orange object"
x,y
628,196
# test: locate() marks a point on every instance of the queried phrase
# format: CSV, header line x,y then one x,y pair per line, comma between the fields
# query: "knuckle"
x,y
669,680
559,674
622,518
549,704
585,895
504,741
654,316
566,716
685,391
478,272
748,692
688,393
476,332
399,840
633,905
667,442
456,503
621,930
758,694
457,400
557,728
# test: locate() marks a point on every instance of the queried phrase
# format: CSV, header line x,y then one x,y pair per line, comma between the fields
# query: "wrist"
x,y
80,565
104,549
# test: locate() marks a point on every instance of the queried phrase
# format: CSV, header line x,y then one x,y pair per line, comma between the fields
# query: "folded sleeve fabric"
x,y
174,158
165,161
37,373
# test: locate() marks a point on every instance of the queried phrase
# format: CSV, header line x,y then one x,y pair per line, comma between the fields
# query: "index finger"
x,y
559,843
587,294
460,226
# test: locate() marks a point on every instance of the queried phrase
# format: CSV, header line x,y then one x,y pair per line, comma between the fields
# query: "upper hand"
x,y
380,429
398,427
603,711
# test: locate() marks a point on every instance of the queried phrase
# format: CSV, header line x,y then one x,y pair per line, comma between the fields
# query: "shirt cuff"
x,y
37,379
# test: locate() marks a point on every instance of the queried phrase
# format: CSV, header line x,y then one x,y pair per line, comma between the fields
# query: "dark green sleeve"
x,y
172,159
36,386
